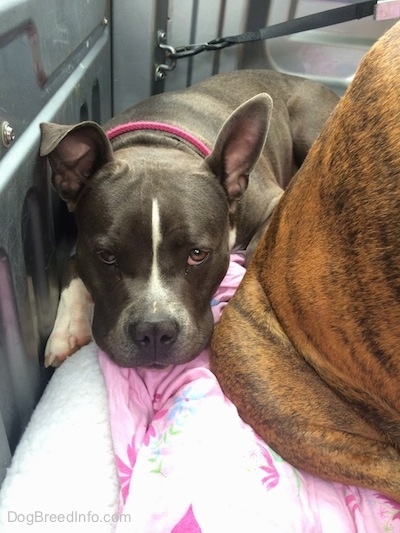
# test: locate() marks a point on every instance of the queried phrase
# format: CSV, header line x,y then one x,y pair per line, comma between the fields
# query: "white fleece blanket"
x,y
186,463
63,476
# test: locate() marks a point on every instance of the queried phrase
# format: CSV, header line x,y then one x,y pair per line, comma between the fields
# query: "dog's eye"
x,y
107,257
197,257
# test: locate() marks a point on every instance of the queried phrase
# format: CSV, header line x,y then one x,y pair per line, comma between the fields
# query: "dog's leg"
x,y
72,327
75,153
282,397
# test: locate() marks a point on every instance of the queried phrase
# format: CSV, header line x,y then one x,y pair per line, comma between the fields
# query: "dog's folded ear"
x,y
239,144
75,154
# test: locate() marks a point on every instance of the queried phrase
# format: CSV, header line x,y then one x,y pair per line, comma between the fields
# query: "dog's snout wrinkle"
x,y
154,336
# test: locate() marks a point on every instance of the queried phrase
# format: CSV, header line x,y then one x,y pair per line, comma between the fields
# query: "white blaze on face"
x,y
159,296
156,289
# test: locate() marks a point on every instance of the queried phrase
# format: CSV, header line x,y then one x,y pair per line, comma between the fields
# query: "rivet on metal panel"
x,y
105,21
7,134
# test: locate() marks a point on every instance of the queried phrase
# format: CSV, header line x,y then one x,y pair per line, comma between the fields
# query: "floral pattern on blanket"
x,y
389,511
125,470
168,423
188,524
360,511
188,463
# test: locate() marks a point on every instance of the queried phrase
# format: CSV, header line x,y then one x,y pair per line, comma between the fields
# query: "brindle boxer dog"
x,y
309,347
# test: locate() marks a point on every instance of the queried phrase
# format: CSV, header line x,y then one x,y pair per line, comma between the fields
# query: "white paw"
x,y
72,327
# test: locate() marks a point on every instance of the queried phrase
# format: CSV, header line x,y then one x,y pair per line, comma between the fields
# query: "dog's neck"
x,y
179,133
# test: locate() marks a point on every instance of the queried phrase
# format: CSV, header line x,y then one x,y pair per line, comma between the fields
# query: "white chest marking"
x,y
232,238
156,235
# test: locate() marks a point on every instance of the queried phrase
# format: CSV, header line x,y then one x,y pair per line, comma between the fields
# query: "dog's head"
x,y
155,229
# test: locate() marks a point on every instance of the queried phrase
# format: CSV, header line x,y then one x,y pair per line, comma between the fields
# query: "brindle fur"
x,y
309,347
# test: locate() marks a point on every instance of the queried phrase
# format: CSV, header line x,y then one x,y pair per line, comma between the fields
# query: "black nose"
x,y
154,336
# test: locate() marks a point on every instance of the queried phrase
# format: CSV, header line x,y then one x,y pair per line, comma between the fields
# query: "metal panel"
x,y
330,55
134,43
55,65
133,50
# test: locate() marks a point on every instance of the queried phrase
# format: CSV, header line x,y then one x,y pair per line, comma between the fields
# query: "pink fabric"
x,y
188,464
160,126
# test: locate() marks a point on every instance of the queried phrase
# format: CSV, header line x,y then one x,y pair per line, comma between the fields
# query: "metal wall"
x,y
330,55
55,65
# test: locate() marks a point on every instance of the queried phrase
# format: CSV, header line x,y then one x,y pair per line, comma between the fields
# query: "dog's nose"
x,y
154,336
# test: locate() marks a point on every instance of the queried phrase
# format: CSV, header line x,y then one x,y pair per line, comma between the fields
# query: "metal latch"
x,y
169,61
387,9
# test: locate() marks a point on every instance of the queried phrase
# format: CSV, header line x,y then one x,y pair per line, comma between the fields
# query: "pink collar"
x,y
160,126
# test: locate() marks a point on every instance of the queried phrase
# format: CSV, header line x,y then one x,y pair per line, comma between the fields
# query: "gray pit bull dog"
x,y
161,197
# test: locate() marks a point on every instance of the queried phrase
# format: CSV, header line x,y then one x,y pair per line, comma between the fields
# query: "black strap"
x,y
309,22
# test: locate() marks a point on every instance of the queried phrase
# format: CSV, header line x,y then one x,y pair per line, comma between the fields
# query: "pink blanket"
x,y
188,464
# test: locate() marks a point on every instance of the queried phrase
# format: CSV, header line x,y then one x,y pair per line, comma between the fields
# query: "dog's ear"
x,y
239,144
75,153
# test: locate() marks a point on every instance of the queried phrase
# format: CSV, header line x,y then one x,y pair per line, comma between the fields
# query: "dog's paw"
x,y
72,328
65,341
